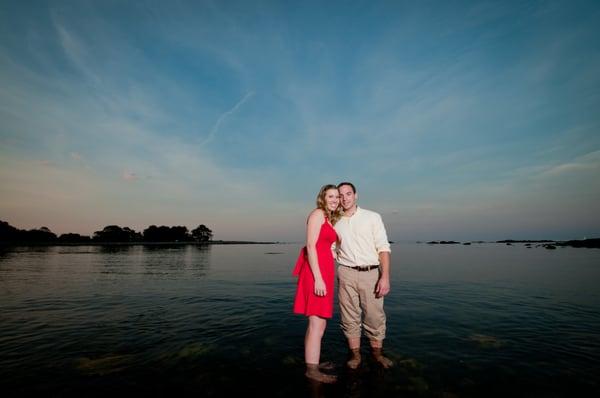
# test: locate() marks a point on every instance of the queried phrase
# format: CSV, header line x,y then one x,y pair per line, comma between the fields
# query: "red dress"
x,y
306,301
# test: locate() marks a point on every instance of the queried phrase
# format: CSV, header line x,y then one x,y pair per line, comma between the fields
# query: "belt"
x,y
362,268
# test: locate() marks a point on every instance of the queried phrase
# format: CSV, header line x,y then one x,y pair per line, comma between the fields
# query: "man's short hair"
x,y
341,184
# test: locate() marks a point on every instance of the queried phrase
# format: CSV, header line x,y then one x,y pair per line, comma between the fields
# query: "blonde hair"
x,y
333,216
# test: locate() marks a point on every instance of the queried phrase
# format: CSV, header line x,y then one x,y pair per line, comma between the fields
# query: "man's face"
x,y
347,196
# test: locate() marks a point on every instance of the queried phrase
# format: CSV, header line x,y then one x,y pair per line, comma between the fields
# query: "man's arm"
x,y
383,285
383,251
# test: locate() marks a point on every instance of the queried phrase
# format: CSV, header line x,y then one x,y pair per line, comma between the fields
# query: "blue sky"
x,y
456,120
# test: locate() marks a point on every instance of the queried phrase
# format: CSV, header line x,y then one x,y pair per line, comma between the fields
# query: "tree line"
x,y
110,233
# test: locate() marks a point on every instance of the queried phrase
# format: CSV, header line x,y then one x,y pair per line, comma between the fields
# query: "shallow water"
x,y
479,320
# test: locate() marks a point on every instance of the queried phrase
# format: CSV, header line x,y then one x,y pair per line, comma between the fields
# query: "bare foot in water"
x,y
383,361
327,366
313,372
355,359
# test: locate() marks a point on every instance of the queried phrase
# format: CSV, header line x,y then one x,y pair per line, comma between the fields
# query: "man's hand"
x,y
383,284
383,287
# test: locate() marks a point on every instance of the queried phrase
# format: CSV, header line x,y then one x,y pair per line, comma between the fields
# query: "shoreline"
x,y
215,242
593,243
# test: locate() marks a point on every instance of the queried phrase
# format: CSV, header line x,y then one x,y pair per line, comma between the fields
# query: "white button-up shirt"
x,y
362,236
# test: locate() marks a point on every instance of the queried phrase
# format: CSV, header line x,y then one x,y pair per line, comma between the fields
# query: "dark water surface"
x,y
463,321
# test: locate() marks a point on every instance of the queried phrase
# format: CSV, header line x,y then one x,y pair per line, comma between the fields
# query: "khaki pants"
x,y
358,304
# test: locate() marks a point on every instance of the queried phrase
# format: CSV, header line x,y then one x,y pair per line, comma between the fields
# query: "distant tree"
x,y
202,233
42,234
151,234
114,233
110,233
157,234
133,236
8,233
166,234
181,234
73,238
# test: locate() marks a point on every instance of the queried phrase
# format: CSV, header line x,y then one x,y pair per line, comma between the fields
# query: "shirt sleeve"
x,y
382,243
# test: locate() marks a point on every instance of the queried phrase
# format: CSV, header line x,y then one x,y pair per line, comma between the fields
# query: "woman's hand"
x,y
320,289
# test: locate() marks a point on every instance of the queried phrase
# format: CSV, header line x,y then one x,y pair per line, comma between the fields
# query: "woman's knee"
x,y
317,324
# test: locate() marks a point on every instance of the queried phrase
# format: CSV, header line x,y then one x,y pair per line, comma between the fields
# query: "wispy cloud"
x,y
76,52
585,163
213,132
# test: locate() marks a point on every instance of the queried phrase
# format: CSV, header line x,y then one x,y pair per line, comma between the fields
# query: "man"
x,y
363,255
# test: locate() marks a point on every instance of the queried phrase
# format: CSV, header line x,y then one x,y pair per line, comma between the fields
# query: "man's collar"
x,y
355,212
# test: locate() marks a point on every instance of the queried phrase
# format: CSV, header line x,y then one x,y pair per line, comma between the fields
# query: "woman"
x,y
315,271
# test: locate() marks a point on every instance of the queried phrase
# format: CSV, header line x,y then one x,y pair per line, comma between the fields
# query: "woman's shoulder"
x,y
317,215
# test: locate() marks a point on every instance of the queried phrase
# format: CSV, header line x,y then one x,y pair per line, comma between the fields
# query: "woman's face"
x,y
332,199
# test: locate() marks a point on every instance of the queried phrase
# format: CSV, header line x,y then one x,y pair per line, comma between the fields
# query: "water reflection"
x,y
116,248
10,250
316,389
176,258
5,252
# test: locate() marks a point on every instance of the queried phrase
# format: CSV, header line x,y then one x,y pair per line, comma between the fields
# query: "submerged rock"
x,y
485,341
290,360
410,364
194,350
417,384
103,365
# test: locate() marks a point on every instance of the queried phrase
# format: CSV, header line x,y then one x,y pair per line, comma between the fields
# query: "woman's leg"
x,y
312,340
312,349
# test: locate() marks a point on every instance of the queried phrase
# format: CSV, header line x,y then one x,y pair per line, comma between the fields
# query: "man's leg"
x,y
355,357
374,319
350,312
377,351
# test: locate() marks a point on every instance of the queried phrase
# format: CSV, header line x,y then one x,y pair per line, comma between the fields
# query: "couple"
x,y
362,251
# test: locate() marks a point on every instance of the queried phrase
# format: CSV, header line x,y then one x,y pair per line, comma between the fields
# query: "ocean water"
x,y
485,320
